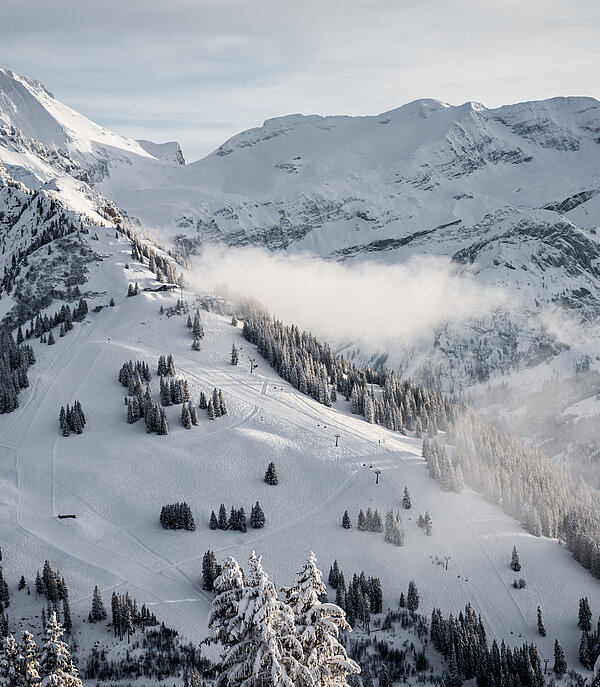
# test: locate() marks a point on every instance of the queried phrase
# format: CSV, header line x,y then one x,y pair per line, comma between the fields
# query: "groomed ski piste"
x,y
115,477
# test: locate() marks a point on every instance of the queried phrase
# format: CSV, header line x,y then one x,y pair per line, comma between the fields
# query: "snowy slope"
x,y
115,477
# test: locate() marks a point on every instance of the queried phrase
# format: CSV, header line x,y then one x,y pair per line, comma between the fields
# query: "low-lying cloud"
x,y
374,302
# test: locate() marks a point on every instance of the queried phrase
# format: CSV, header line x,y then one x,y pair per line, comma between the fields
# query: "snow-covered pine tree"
x,y
223,523
584,621
540,622
412,598
362,523
202,404
186,418
271,475
213,524
324,659
514,560
228,588
265,643
30,665
209,571
212,415
257,517
234,355
346,523
428,524
406,502
560,664
56,665
97,612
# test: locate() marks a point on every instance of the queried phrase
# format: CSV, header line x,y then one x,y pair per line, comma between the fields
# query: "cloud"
x,y
379,304
244,62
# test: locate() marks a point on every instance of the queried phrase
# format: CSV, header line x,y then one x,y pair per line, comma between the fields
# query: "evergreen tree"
x,y
540,623
22,583
203,405
30,666
209,571
362,523
234,355
56,664
514,561
186,418
265,644
51,339
412,598
271,475
406,502
98,612
228,588
222,521
324,660
257,517
560,664
346,524
67,622
585,615
428,524
213,524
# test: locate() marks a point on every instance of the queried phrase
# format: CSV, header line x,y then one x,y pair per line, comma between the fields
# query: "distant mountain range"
x,y
512,195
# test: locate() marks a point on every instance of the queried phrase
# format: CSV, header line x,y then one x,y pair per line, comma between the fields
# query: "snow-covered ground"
x,y
116,477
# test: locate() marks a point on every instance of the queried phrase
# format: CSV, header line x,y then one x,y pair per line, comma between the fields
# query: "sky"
x,y
200,71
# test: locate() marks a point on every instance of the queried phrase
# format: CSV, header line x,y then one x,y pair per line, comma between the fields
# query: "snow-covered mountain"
x,y
511,195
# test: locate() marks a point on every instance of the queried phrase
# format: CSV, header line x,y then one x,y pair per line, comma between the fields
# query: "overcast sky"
x,y
199,71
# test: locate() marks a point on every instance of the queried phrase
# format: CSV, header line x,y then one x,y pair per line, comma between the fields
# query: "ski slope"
x,y
115,477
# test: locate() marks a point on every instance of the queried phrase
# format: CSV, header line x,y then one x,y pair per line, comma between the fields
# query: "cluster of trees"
x,y
97,613
448,475
313,369
173,391
177,516
394,529
164,270
371,522
529,487
291,643
133,290
271,477
166,366
126,614
237,518
360,598
156,654
14,363
22,665
589,646
132,375
462,641
63,317
425,522
216,405
71,419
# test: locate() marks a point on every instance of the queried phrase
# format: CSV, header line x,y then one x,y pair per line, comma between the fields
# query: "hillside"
x,y
115,477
